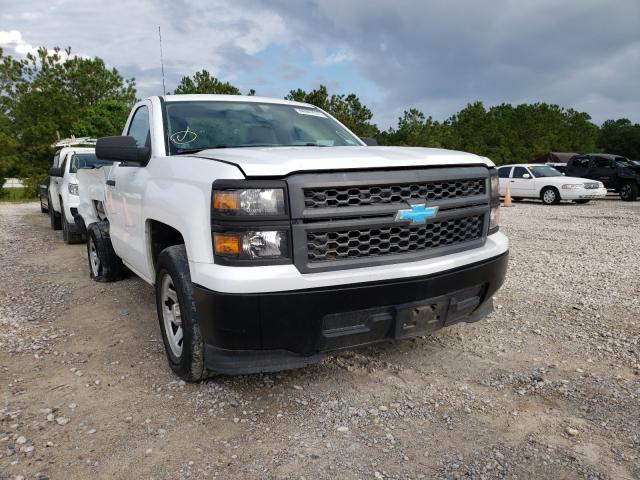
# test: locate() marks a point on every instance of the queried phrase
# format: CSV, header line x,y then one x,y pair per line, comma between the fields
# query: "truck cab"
x,y
617,173
274,236
62,192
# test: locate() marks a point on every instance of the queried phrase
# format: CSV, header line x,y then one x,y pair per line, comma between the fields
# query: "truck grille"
x,y
375,242
376,194
349,219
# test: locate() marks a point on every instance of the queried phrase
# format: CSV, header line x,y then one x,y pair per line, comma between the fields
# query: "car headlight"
x,y
252,245
249,201
73,189
572,186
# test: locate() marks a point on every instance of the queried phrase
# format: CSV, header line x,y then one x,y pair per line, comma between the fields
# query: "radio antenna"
x,y
164,90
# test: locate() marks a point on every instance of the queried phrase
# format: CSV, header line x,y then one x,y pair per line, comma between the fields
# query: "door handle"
x,y
111,183
512,181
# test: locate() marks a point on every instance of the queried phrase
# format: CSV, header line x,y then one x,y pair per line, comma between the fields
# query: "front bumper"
x,y
262,332
583,194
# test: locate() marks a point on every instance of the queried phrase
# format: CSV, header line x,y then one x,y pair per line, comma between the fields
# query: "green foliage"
x,y
346,108
32,183
504,133
620,137
203,82
105,119
53,95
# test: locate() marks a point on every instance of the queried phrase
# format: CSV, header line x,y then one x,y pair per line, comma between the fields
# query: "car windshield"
x,y
84,160
193,126
623,162
544,171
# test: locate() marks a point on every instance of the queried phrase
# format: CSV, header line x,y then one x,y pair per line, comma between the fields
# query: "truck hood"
x,y
281,161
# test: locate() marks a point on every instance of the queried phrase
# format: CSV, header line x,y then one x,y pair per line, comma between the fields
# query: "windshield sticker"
x,y
183,137
305,111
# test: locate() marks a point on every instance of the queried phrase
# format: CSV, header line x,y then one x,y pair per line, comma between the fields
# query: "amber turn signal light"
x,y
228,245
225,201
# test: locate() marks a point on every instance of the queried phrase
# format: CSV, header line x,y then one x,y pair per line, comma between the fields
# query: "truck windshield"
x,y
85,160
193,126
544,171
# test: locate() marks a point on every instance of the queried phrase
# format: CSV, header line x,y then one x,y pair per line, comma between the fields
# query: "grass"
x,y
16,195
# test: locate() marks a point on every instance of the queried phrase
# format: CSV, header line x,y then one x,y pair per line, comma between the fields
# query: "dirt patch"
x,y
548,386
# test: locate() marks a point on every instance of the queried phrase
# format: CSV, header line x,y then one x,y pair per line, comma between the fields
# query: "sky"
x,y
435,55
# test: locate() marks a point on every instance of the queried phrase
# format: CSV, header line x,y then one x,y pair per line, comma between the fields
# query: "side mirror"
x,y
123,149
369,141
56,172
526,175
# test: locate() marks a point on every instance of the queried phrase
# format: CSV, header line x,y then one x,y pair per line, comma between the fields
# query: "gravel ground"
x,y
547,387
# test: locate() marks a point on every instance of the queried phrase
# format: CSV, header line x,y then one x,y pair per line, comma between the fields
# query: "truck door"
x,y
578,167
55,186
602,169
124,191
522,183
503,179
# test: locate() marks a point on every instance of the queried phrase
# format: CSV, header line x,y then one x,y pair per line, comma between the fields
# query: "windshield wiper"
x,y
187,151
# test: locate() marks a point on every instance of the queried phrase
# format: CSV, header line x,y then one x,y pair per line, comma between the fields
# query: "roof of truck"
x,y
231,98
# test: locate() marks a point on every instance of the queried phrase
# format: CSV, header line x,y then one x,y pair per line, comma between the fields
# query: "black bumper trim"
x,y
247,333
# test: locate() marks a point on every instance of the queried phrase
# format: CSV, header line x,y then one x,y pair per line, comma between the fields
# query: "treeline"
x,y
53,94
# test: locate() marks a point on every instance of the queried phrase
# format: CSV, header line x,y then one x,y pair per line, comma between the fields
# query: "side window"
x,y
518,172
580,162
56,160
601,162
64,163
504,172
139,127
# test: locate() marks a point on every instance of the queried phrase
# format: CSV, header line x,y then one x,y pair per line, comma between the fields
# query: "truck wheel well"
x,y
162,236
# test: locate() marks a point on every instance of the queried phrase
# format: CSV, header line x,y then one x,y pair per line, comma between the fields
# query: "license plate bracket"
x,y
420,318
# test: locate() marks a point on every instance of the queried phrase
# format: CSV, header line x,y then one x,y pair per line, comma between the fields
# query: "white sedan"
x,y
547,184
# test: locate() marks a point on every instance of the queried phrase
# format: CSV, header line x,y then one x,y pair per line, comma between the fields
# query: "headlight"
x,y
494,219
494,213
572,186
249,201
495,184
252,245
73,189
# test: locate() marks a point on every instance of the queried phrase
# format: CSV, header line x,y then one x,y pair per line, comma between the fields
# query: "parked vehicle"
x,y
273,235
62,193
547,184
43,194
617,173
561,167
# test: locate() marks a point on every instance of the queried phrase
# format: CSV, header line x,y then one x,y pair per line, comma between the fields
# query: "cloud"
x,y
13,39
436,55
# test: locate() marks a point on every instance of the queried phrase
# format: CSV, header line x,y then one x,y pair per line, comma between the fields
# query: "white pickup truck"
x,y
273,235
61,195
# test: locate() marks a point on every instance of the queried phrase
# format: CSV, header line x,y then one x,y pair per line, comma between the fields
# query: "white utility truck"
x,y
62,197
273,235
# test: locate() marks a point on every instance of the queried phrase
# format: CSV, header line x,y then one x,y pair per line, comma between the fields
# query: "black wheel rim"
x,y
626,191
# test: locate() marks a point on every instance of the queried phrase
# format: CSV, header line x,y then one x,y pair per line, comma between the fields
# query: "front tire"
x,y
54,217
629,191
104,264
68,236
550,196
178,316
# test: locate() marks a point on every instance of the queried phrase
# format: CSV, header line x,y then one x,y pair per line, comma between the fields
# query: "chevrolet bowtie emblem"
x,y
417,213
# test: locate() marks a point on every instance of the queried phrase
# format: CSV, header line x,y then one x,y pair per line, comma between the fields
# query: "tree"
x,y
414,130
620,137
52,94
203,82
346,108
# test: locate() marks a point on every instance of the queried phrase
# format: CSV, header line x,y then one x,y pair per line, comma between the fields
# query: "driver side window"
x,y
519,172
139,127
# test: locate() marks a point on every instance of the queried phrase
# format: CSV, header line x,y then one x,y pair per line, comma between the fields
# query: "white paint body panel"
x,y
532,187
176,190
59,186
